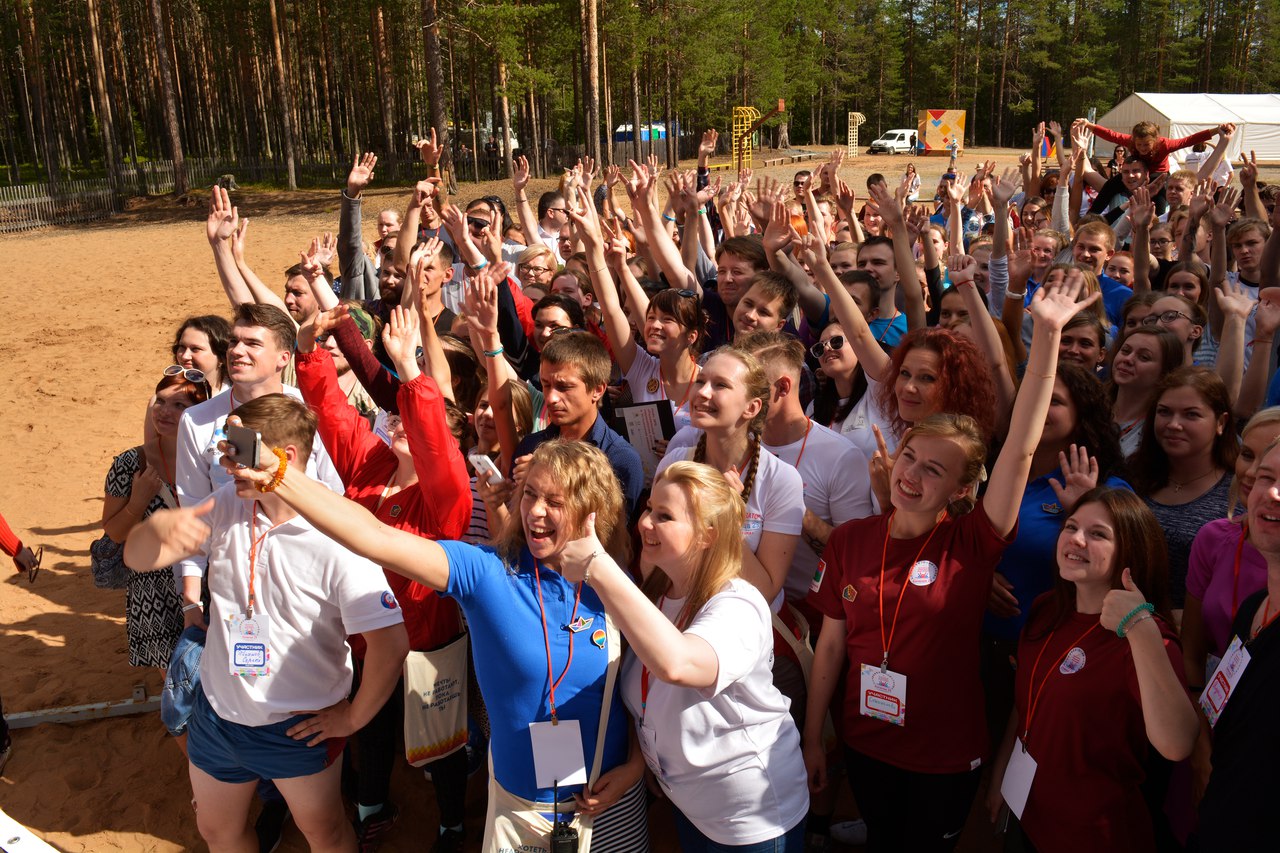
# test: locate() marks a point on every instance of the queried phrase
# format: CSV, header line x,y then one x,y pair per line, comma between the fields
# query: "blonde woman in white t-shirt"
x,y
697,676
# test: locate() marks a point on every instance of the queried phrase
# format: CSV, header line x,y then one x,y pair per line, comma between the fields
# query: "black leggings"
x,y
910,812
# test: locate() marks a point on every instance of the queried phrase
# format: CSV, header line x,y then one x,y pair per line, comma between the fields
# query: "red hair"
x,y
965,385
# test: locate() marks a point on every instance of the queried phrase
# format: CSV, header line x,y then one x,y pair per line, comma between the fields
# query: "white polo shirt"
x,y
314,592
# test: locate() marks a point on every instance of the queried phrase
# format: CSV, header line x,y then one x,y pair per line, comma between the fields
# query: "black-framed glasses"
x,y
1161,241
1164,317
35,566
529,268
188,373
557,210
835,343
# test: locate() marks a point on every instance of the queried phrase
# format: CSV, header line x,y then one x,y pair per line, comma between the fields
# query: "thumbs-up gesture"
x,y
580,553
1119,603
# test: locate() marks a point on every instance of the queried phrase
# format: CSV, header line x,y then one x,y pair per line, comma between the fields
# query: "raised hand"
x,y
424,191
322,324
639,186
961,269
1248,169
1225,210
1053,305
239,239
310,262
1079,475
1004,189
429,149
890,211
1233,300
612,175
1226,130
224,218
585,219
520,173
845,198
580,553
778,234
707,147
1142,211
1055,130
418,263
1267,320
481,300
1037,135
361,173
957,189
1199,205
326,248
400,336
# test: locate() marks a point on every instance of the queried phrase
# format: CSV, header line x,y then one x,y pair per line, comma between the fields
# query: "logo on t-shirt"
x,y
923,573
1073,662
816,584
652,387
849,593
389,600
752,524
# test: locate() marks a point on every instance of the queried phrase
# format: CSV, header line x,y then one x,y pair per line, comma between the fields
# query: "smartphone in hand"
x,y
243,444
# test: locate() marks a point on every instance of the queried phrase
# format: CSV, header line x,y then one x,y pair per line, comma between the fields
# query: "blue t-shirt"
x,y
888,332
510,655
1030,562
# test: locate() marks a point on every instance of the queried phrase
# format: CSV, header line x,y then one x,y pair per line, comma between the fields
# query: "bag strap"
x,y
799,645
610,679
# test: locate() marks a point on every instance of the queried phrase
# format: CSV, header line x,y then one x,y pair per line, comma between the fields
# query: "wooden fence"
x,y
27,206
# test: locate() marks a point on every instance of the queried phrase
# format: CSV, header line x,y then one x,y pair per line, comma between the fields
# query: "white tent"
x,y
1257,119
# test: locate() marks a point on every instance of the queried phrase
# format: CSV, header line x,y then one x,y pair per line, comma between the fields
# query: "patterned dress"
x,y
153,608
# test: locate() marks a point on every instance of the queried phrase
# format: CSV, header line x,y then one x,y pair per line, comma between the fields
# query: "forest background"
x,y
103,87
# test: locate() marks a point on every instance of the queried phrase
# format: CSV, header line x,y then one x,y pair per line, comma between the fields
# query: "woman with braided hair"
x,y
730,397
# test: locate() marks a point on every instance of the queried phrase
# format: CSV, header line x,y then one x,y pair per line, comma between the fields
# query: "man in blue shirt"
x,y
575,370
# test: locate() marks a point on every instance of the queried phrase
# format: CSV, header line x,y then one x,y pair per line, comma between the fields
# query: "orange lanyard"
x,y
1267,619
254,541
885,333
553,682
887,642
644,671
1033,693
688,392
1235,583
808,426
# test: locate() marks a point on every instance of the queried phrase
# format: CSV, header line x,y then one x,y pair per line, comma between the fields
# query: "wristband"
x,y
1013,294
702,211
668,218
278,477
483,263
187,608
494,353
1259,341
1123,627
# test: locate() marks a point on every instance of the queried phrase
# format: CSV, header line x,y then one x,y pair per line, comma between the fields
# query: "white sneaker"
x,y
851,832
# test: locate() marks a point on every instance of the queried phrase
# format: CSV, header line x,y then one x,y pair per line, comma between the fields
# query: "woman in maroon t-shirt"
x,y
903,597
1099,677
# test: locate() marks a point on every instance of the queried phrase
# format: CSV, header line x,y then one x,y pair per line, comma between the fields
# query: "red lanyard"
x,y
254,540
808,426
1033,693
552,681
1267,618
885,333
887,642
1235,583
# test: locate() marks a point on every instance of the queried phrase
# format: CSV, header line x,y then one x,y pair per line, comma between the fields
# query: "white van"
x,y
902,141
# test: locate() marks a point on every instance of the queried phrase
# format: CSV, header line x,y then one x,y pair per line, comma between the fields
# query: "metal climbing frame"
x,y
855,120
744,118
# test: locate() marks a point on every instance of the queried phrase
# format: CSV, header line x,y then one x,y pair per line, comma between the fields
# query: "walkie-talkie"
x,y
564,838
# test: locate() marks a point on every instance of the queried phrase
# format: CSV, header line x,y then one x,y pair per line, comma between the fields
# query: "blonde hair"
x,y
714,504
588,484
965,431
1266,417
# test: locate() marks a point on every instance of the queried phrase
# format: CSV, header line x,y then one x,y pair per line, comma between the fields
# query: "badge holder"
x,y
564,838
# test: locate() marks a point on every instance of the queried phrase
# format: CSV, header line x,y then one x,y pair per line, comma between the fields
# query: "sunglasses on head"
x,y
687,294
835,343
188,373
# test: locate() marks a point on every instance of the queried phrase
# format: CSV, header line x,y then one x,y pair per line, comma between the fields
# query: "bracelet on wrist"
x,y
494,353
668,218
278,477
484,262
1014,294
1260,341
1123,627
195,605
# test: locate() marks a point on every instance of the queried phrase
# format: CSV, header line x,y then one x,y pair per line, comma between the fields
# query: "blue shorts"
x,y
232,753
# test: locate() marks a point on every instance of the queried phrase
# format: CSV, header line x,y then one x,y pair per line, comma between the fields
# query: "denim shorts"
x,y
182,680
232,753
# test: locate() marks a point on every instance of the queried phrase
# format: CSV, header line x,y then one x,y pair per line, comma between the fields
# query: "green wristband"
x,y
1124,623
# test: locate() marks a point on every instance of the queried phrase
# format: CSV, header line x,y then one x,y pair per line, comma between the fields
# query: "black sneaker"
x,y
270,825
370,830
449,841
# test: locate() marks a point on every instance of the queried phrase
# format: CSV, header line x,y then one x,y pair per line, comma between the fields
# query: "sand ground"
x,y
84,340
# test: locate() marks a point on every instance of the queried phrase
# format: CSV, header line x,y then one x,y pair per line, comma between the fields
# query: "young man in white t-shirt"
x,y
276,669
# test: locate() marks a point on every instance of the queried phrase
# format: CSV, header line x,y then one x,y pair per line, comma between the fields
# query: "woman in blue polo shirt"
x,y
537,694
1061,470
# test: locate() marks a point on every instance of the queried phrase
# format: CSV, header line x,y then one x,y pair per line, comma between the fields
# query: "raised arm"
x,y
1249,187
1142,212
349,524
424,193
874,360
1220,215
221,226
1257,376
482,316
778,237
1051,308
621,338
903,256
359,279
520,184
171,535
1015,297
1235,306
962,269
1210,164
663,249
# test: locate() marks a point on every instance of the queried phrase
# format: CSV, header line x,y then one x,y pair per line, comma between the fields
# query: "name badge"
x,y
1018,776
649,749
923,573
883,695
557,754
249,645
1223,683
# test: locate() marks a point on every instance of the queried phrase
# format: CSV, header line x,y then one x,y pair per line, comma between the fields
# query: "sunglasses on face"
x,y
835,343
480,224
1164,317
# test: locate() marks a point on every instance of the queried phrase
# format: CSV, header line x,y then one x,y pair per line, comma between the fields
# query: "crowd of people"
x,y
572,441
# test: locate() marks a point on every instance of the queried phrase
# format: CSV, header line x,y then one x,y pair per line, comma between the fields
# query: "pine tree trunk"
x,y
435,82
282,86
506,116
590,38
41,112
636,154
608,105
385,97
110,151
168,98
